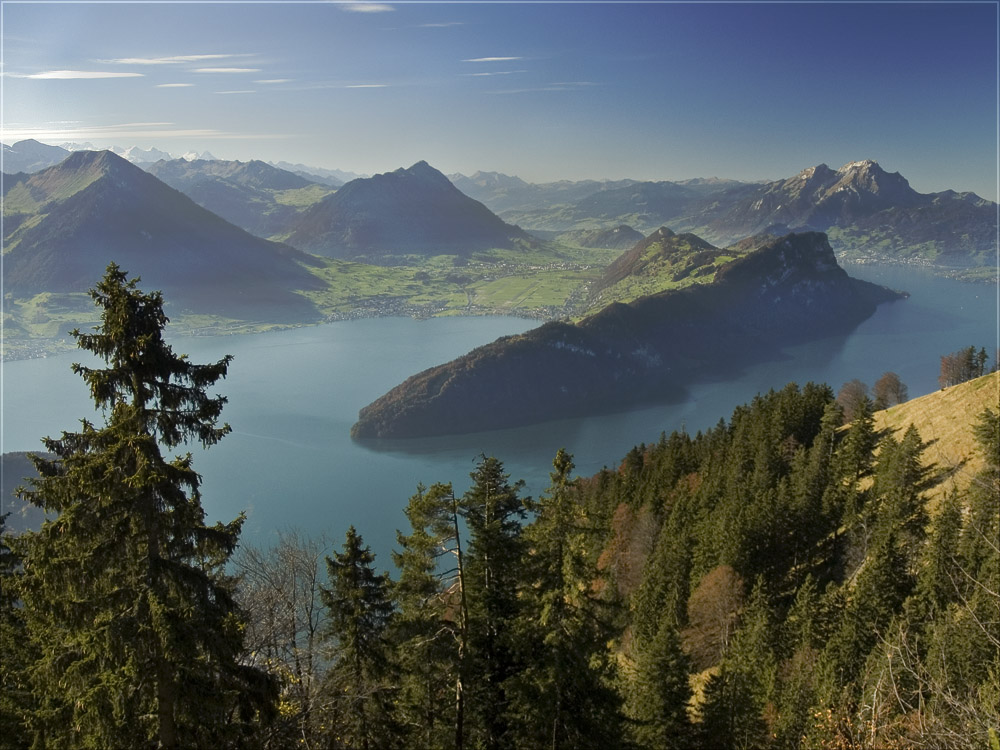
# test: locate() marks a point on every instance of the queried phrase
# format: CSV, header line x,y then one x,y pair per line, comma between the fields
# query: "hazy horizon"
x,y
545,92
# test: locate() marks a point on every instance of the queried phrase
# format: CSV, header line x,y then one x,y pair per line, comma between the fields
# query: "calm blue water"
x,y
293,396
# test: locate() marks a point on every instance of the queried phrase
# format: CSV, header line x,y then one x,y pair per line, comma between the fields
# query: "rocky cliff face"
x,y
788,291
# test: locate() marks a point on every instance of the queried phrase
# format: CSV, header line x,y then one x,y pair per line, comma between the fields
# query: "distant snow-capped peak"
x,y
195,156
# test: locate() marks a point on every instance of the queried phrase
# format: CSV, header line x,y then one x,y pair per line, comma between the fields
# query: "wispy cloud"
x,y
57,132
66,75
492,59
561,86
173,85
442,25
172,60
226,70
354,7
275,80
494,73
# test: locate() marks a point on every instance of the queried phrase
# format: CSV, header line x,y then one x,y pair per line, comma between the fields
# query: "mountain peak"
x,y
424,171
105,162
412,210
865,165
868,177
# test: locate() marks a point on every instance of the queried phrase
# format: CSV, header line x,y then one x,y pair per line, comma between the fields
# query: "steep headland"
x,y
789,290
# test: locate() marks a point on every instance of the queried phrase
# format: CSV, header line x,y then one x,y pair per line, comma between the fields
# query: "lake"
x,y
293,396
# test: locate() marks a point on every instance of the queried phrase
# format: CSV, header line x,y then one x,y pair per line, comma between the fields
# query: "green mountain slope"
x,y
65,224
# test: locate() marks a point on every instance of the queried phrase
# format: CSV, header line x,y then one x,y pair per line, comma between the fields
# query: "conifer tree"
x,y
139,637
659,693
561,696
430,631
16,653
899,506
493,510
940,574
733,711
360,683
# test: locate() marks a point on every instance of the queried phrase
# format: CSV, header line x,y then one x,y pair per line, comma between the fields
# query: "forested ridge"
x,y
776,581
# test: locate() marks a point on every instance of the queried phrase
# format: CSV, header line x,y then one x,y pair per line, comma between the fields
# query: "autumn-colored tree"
x,y
889,390
713,614
851,398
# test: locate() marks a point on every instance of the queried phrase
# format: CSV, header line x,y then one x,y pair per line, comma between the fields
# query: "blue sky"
x,y
544,91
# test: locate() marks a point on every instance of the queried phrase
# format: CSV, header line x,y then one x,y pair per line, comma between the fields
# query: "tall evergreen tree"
x,y
16,652
360,681
140,639
493,510
430,631
659,693
562,696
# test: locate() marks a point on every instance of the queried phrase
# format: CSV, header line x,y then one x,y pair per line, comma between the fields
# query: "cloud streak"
x,y
68,75
171,60
131,130
226,70
561,86
173,85
495,73
354,7
492,59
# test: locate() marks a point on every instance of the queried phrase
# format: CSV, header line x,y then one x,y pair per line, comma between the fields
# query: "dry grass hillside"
x,y
945,420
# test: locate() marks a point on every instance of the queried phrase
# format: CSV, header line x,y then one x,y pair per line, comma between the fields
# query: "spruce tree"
x,y
139,637
562,695
659,693
430,631
493,511
360,683
16,652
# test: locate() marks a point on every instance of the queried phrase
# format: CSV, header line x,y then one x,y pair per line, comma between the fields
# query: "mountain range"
x,y
789,290
31,156
260,198
63,225
868,213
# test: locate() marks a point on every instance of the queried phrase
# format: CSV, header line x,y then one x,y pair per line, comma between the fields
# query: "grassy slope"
x,y
945,420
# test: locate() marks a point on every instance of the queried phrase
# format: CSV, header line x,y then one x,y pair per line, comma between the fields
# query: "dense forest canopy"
x,y
776,581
